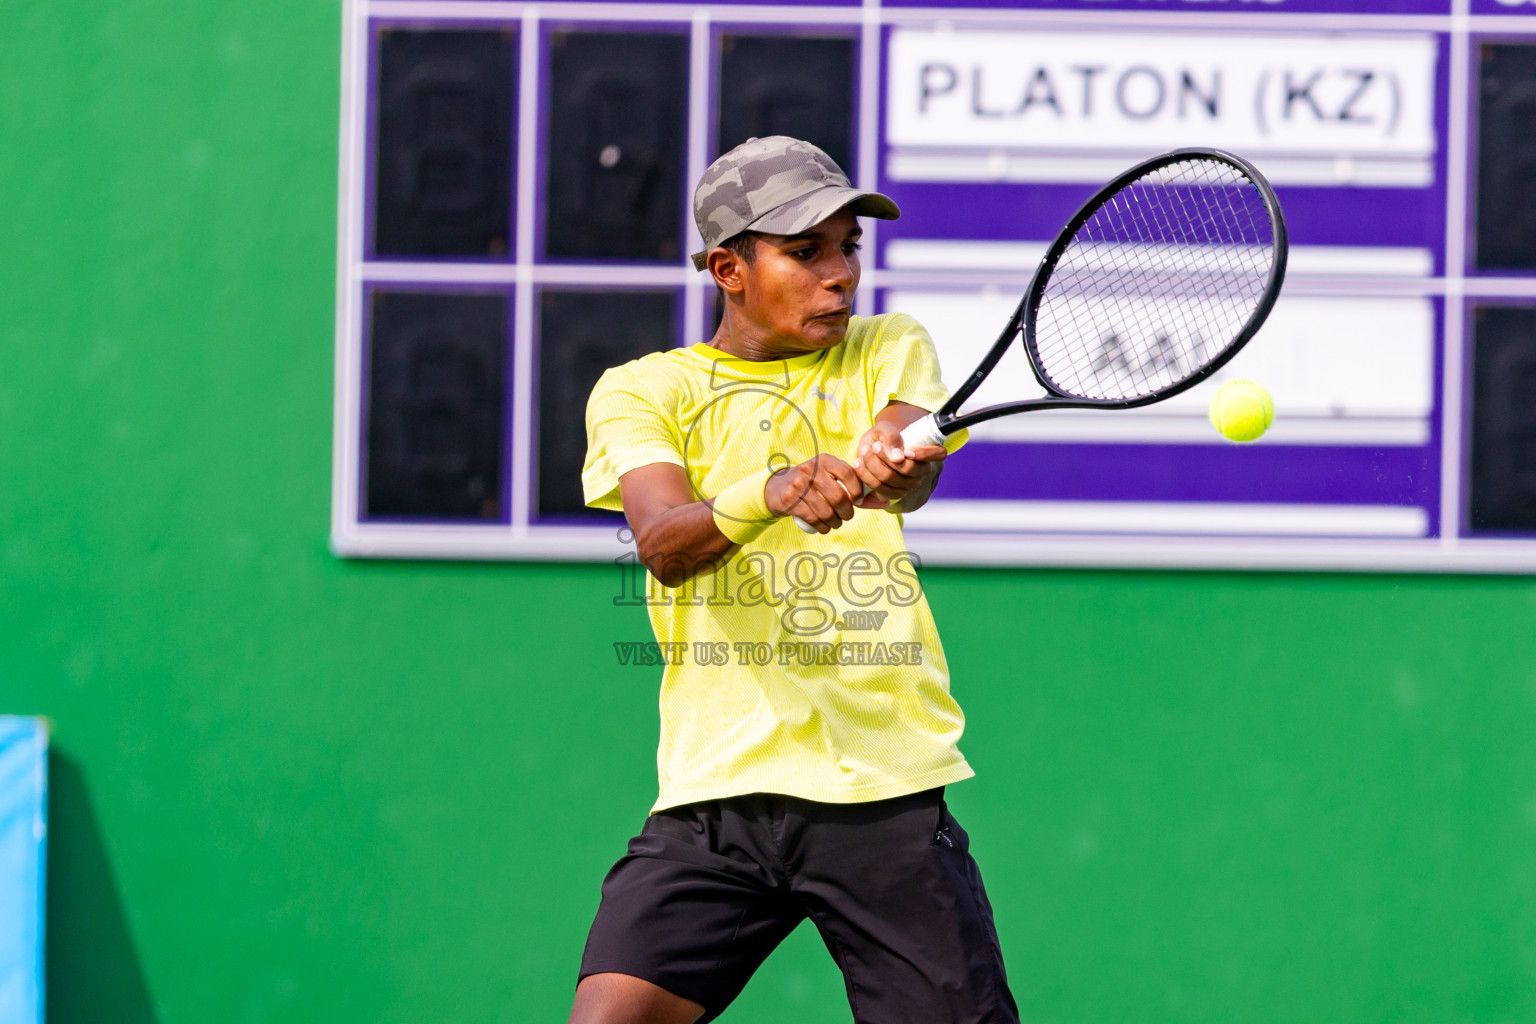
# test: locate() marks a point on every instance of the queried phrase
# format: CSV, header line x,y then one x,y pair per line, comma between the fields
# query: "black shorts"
x,y
708,890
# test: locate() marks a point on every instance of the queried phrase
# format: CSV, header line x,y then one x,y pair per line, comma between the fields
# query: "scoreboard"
x,y
515,217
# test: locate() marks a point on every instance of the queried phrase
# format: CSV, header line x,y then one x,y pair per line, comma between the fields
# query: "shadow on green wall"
x,y
88,941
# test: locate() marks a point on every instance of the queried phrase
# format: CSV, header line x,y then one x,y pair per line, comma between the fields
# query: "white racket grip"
x,y
924,433
915,435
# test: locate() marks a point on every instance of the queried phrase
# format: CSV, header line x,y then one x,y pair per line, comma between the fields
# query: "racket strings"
x,y
1157,283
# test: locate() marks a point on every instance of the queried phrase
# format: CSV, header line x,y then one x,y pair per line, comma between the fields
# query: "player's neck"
x,y
755,343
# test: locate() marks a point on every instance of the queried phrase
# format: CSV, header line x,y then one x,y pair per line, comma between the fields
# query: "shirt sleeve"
x,y
905,368
626,429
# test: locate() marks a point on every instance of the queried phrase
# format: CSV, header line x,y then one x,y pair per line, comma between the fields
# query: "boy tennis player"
x,y
807,729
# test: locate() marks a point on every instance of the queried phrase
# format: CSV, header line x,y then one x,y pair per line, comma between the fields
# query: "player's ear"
x,y
726,268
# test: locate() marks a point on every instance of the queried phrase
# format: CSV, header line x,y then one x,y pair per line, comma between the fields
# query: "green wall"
x,y
291,788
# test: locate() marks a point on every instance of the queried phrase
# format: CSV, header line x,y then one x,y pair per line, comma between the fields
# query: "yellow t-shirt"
x,y
806,665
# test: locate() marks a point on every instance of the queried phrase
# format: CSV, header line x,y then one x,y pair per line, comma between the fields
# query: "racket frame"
x,y
947,420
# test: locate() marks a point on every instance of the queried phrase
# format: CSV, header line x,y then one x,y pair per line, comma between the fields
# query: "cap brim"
x,y
811,209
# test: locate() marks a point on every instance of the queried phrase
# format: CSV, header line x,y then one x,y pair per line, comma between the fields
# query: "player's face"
x,y
799,289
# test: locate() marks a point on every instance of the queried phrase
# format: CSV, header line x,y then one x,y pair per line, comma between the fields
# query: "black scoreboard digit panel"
x,y
581,333
515,217
442,163
436,402
786,85
614,146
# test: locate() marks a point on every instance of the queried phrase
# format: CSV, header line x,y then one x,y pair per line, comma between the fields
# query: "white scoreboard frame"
x,y
523,539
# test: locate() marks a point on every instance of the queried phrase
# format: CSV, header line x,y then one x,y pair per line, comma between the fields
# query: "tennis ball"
x,y
1242,410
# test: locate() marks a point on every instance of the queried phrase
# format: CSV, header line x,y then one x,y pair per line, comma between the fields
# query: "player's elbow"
x,y
671,580
672,569
670,573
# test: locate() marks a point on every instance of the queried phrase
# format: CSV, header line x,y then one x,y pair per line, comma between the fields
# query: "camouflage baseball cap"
x,y
777,185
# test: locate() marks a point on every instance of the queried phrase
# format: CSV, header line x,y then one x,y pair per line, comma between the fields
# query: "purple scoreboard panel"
x,y
515,217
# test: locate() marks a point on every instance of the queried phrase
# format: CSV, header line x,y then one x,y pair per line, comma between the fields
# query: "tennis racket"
x,y
1159,280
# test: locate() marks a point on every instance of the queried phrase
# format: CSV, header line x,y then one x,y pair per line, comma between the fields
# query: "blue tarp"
x,y
23,835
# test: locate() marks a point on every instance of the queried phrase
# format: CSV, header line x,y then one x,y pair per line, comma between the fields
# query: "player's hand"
x,y
889,470
819,491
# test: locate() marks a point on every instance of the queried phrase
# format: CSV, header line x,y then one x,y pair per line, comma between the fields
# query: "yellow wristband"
x,y
741,510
